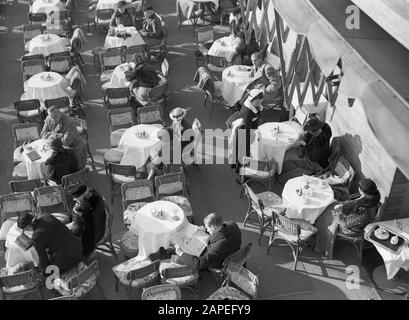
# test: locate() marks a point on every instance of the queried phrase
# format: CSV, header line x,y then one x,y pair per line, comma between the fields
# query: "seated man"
x,y
225,239
142,77
122,16
54,243
152,32
88,217
60,163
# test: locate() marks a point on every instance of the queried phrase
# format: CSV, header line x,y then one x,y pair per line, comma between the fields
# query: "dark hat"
x,y
78,190
367,186
149,8
122,3
313,125
56,144
236,11
24,220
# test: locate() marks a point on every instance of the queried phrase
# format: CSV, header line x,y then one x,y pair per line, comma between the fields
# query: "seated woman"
x,y
60,163
122,16
152,32
349,217
142,78
179,126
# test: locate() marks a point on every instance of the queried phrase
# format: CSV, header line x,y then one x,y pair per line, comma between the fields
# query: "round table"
x,y
113,4
225,47
46,44
154,232
36,169
118,79
235,80
309,206
15,254
134,40
136,149
46,85
46,6
274,144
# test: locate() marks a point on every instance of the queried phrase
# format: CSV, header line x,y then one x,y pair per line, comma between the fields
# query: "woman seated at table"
x,y
142,77
54,243
58,125
152,32
121,16
312,153
60,163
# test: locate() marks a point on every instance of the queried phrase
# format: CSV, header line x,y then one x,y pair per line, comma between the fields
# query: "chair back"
x,y
343,169
137,191
240,257
25,185
32,30
231,119
150,115
204,35
71,180
60,64
117,97
60,103
84,276
162,292
242,278
212,62
26,282
26,105
165,68
138,50
104,15
254,201
121,118
285,224
259,168
144,271
157,93
177,272
32,67
112,58
51,199
15,204
23,132
37,17
170,184
123,170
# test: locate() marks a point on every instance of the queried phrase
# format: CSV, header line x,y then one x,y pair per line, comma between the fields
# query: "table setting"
x,y
34,156
46,44
306,198
123,36
235,80
225,47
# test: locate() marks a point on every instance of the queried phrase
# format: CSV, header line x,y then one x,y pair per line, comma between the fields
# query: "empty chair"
x,y
37,18
63,104
52,200
110,59
82,130
258,171
19,285
204,41
71,180
119,121
25,185
150,115
28,111
31,31
132,50
60,64
120,174
117,98
103,18
32,66
185,277
216,64
162,292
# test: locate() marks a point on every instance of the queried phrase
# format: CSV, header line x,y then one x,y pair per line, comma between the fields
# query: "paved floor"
x,y
213,188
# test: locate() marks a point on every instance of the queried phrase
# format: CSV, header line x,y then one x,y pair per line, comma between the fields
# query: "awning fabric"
x,y
375,66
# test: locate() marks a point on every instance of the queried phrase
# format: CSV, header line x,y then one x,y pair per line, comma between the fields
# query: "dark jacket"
x,y
251,120
221,244
145,76
55,244
318,148
153,27
60,164
89,218
125,19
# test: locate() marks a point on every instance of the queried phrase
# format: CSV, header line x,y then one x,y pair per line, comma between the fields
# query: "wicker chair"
x,y
185,277
31,31
82,129
25,185
216,64
60,64
33,66
28,111
120,174
102,18
52,200
110,59
71,180
204,41
138,50
37,18
258,171
117,98
119,121
150,115
19,285
162,292
63,104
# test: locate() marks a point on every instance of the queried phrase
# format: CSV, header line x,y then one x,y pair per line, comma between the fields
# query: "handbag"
x,y
23,241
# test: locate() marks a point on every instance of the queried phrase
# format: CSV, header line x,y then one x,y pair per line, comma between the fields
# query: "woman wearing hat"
x,y
180,125
122,16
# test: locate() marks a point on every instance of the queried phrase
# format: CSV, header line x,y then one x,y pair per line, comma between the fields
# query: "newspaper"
x,y
190,239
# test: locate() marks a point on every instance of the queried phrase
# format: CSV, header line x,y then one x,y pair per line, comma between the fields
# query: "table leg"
x,y
398,285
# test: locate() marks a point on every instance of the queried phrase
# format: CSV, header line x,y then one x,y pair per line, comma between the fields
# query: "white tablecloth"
x,y
154,232
42,88
113,4
134,40
46,6
315,204
137,150
118,79
15,254
225,47
215,2
36,169
46,44
235,80
274,145
394,261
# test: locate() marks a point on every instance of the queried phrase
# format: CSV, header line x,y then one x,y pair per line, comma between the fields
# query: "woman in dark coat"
x,y
61,162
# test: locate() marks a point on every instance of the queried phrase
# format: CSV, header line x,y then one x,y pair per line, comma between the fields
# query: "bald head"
x,y
213,223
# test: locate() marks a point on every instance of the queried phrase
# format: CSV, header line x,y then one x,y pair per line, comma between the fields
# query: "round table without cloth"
x,y
47,44
134,40
308,206
136,149
235,80
274,144
36,169
15,254
225,47
46,85
154,232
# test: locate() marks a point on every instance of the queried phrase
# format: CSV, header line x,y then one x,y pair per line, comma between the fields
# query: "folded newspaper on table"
x,y
190,239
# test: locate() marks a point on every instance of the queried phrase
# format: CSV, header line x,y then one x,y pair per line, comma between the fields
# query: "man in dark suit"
x,y
225,239
54,243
